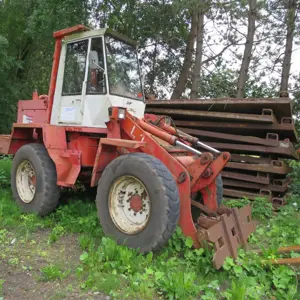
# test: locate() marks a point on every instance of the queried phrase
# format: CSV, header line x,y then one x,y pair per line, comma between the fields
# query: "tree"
x,y
184,73
290,28
243,73
199,49
7,91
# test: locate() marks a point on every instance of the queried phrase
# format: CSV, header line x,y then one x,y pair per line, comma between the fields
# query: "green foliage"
x,y
295,176
5,166
177,285
1,287
53,272
176,272
237,291
4,181
86,242
56,232
9,211
7,91
283,230
261,208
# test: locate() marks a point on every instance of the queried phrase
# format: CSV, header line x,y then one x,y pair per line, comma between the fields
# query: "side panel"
x,y
86,145
32,111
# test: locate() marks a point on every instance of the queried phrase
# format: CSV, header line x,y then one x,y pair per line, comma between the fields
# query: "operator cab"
x,y
98,69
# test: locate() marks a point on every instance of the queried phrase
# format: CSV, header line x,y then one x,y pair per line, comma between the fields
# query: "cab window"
x,y
75,64
96,83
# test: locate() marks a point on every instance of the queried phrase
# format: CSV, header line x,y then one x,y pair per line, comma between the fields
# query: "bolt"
x,y
141,212
129,209
135,214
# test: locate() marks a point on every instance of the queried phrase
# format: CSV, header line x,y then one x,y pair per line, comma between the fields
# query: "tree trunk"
x,y
152,73
290,19
181,82
199,49
243,74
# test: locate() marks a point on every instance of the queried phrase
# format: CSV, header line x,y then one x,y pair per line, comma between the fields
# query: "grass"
x,y
177,272
53,272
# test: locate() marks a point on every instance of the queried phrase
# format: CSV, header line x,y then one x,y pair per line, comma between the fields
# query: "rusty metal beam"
x,y
281,107
284,130
241,194
264,119
260,178
250,159
284,261
254,186
285,149
281,250
231,137
218,116
276,167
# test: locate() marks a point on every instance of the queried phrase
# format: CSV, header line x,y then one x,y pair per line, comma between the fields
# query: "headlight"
x,y
121,113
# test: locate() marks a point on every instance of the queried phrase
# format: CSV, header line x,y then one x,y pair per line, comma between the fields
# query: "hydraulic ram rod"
x,y
182,145
200,144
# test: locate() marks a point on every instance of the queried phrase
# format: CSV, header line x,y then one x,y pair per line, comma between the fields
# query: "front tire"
x,y
138,202
33,180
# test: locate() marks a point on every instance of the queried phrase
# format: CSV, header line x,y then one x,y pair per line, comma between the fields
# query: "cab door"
x,y
96,100
74,83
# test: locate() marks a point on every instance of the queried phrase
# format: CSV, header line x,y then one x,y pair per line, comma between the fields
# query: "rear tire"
x,y
138,202
33,180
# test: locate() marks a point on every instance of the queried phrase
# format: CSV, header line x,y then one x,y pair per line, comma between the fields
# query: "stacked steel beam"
x,y
259,133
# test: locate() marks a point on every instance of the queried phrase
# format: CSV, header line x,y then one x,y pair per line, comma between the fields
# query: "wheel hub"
x,y
26,181
129,204
136,203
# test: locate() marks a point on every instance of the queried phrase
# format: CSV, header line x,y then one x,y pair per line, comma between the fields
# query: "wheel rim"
x,y
26,181
129,204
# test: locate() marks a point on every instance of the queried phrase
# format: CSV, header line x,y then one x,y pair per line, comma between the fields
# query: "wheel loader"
x,y
91,126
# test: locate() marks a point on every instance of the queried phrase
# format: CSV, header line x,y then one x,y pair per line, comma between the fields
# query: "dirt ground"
x,y
20,268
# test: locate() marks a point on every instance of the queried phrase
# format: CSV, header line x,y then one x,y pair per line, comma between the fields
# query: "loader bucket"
x,y
226,232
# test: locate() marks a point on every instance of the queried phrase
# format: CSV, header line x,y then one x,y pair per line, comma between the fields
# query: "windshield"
x,y
122,68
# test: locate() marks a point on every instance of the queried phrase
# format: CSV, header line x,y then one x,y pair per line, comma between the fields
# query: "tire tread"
x,y
50,196
171,196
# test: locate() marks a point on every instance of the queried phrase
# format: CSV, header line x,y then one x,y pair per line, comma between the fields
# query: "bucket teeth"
x,y
227,232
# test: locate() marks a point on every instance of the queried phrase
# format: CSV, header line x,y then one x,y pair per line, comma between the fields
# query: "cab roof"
x,y
100,32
